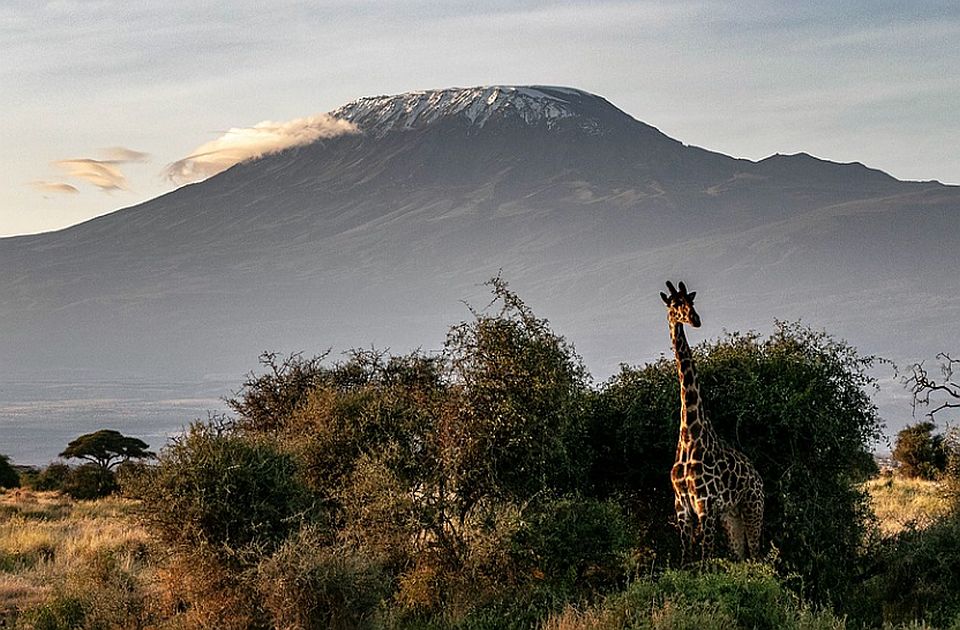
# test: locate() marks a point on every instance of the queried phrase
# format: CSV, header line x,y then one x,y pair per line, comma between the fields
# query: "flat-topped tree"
x,y
106,449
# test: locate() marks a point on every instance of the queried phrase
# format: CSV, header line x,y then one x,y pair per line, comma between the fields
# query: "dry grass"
x,y
33,505
48,544
17,592
574,618
900,502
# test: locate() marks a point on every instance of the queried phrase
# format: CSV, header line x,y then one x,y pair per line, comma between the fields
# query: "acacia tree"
x,y
106,449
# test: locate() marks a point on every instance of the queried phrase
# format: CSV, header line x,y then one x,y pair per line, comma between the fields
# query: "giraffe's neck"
x,y
694,426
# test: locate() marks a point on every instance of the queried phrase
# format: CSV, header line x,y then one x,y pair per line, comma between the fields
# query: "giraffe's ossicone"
x,y
714,484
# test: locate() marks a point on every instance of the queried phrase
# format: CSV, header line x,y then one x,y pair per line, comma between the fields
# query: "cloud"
x,y
54,187
103,174
246,143
120,155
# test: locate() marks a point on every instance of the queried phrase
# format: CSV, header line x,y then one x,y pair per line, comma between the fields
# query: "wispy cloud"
x,y
121,155
245,143
54,187
105,173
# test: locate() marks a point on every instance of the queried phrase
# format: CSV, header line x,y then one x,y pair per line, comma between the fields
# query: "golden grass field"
x,y
51,545
900,502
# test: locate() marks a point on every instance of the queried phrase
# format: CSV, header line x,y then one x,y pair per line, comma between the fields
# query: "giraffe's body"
x,y
713,483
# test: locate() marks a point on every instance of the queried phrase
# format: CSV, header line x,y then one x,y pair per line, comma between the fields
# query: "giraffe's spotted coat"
x,y
713,483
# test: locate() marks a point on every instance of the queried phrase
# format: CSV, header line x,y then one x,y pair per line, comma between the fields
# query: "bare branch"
x,y
929,392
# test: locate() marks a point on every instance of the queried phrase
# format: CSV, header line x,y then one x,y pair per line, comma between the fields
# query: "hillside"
x,y
376,237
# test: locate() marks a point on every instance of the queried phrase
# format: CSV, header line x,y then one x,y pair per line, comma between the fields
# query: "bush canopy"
x,y
493,480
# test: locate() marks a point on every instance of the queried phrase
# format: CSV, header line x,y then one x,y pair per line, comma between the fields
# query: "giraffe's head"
x,y
680,305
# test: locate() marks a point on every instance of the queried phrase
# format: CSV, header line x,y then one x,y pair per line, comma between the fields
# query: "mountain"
x,y
375,238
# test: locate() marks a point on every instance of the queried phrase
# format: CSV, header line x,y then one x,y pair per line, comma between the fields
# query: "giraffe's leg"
x,y
686,524
709,540
752,513
709,522
736,532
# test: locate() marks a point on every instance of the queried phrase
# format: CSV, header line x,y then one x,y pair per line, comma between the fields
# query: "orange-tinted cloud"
x,y
54,187
246,143
103,174
120,155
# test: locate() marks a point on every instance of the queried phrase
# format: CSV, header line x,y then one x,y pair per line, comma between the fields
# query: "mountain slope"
x,y
375,237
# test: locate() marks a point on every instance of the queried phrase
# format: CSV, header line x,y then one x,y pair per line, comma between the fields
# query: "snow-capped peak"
x,y
534,105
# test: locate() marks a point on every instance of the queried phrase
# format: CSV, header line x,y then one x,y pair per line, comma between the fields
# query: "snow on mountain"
x,y
533,105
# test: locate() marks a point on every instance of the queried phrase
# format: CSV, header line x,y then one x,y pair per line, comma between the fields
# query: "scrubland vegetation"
x,y
494,485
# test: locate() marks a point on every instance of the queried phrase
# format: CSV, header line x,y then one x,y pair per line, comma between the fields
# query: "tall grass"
x,y
64,563
902,503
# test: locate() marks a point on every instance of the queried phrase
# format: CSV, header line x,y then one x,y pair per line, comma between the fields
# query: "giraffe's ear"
x,y
692,295
663,296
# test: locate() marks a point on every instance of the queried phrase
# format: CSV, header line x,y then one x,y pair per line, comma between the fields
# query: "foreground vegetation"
x,y
91,564
69,564
493,485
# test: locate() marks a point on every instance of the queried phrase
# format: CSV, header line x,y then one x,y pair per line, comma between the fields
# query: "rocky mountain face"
x,y
376,237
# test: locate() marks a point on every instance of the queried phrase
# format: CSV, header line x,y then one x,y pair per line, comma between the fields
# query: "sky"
x,y
104,104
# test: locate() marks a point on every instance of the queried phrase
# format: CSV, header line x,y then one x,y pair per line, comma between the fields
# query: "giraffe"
x,y
712,482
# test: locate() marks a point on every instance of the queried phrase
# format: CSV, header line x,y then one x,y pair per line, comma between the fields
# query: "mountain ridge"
x,y
376,237
419,94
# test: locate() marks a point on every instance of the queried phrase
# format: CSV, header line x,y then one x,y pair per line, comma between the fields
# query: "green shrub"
x,y
9,477
748,593
51,477
84,482
223,490
367,405
634,422
574,544
89,481
913,576
796,404
367,440
62,612
723,596
265,401
519,396
312,583
382,516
